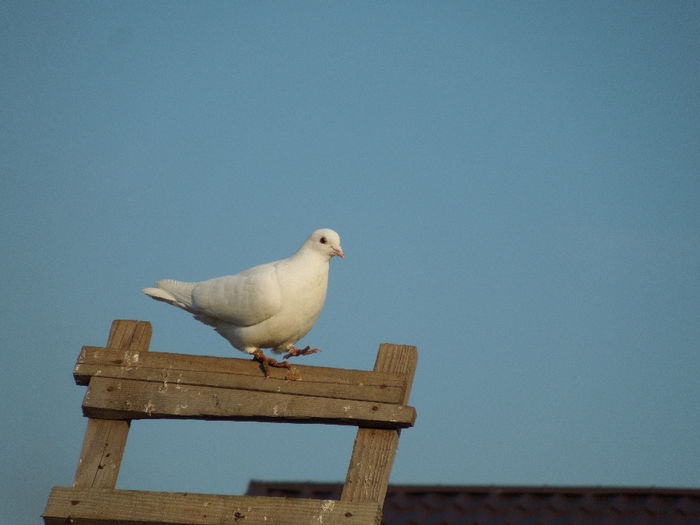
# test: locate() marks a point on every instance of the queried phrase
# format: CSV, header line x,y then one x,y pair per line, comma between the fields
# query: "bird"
x,y
271,305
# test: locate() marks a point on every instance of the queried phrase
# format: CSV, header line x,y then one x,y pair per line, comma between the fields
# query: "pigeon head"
x,y
325,241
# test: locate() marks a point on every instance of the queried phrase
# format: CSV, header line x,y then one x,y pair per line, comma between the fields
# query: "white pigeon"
x,y
272,305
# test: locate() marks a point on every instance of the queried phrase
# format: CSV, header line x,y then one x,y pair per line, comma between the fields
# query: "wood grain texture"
x,y
127,399
102,506
126,381
228,372
134,335
374,449
104,442
101,455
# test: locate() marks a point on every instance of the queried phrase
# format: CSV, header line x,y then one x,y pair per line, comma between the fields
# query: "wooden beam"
x,y
229,372
104,442
134,335
102,452
119,507
374,449
108,398
126,382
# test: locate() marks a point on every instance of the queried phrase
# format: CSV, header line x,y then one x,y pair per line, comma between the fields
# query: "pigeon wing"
x,y
244,299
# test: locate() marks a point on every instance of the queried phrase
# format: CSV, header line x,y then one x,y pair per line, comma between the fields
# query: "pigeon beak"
x,y
339,252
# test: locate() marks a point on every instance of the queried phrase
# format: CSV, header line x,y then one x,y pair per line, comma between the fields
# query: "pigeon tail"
x,y
177,293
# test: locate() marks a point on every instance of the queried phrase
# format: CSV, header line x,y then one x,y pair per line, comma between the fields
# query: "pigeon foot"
x,y
266,362
293,351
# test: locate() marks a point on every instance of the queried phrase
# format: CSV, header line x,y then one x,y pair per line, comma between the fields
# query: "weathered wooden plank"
x,y
104,442
109,398
374,449
102,452
120,507
228,372
134,335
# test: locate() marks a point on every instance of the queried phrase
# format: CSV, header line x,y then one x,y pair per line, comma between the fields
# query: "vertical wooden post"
x,y
105,440
374,449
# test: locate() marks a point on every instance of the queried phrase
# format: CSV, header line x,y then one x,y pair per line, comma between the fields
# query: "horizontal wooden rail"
x,y
126,381
98,506
245,374
127,399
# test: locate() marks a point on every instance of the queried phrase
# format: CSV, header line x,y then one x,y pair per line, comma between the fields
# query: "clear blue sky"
x,y
516,185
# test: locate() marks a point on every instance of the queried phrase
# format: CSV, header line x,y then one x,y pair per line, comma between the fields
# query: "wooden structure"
x,y
125,381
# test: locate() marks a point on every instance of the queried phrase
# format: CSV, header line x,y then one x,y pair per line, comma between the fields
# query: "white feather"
x,y
272,305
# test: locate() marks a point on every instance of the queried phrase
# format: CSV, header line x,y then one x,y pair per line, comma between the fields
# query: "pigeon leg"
x,y
293,351
266,362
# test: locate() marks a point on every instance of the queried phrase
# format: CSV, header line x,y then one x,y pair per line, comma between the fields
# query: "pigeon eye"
x,y
324,240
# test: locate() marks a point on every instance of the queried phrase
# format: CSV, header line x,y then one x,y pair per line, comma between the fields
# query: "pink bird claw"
x,y
294,351
266,362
